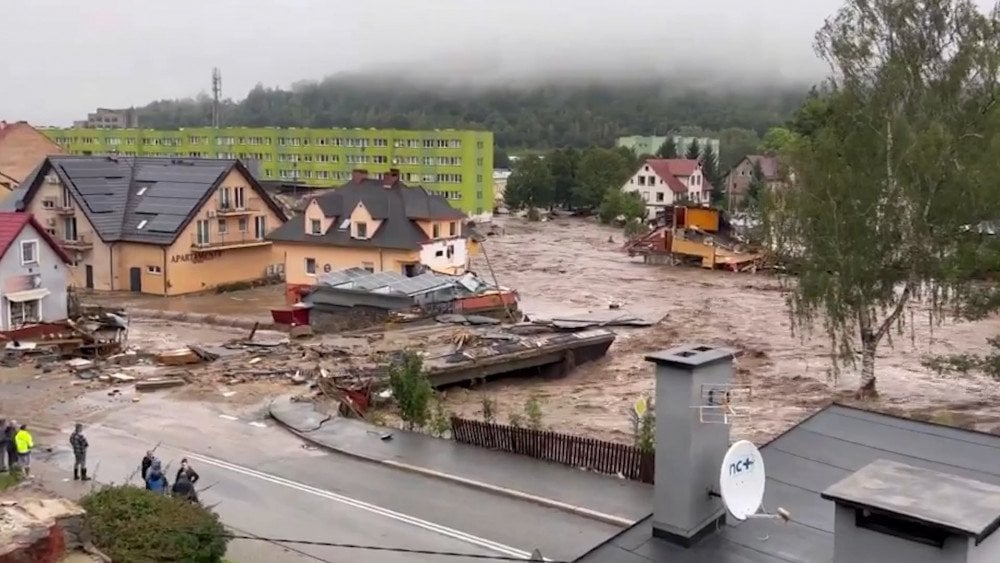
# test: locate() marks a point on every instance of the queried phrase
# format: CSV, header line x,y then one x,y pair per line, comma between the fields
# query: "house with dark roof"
x,y
845,485
34,274
165,226
22,148
662,182
737,182
379,225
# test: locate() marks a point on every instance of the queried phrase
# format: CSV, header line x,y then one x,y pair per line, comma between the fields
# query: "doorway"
x,y
135,279
90,276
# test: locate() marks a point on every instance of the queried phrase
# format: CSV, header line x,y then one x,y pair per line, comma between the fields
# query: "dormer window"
x,y
316,227
362,230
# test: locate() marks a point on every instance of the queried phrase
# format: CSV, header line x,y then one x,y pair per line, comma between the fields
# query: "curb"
x,y
479,485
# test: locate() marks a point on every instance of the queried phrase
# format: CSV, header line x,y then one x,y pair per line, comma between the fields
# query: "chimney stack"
x,y
891,511
359,175
391,177
689,452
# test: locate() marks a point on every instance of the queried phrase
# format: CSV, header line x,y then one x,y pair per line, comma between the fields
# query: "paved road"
x,y
266,483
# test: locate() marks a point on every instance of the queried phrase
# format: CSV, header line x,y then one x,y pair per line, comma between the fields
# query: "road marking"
x,y
258,424
411,520
228,417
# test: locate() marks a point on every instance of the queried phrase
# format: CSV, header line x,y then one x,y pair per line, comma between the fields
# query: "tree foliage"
x,y
599,171
757,186
734,144
668,149
411,389
132,524
693,150
897,155
563,164
530,184
543,116
617,203
777,140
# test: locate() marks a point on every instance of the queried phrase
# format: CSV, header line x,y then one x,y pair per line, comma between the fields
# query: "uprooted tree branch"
x,y
889,181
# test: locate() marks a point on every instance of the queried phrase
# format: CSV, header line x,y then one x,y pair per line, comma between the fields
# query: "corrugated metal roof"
x,y
386,282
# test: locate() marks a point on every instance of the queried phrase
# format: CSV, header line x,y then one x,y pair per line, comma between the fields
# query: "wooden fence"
x,y
596,455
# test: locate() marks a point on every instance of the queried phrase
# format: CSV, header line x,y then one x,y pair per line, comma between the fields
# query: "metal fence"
x,y
589,453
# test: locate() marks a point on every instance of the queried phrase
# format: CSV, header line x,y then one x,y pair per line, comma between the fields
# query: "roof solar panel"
x,y
178,189
166,205
165,223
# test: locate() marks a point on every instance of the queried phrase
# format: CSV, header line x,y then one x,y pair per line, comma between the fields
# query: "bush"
x,y
411,389
133,524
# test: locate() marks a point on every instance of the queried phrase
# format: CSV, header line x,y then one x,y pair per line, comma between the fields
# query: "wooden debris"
x,y
157,383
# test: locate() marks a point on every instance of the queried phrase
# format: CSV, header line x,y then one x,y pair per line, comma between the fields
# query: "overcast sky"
x,y
63,58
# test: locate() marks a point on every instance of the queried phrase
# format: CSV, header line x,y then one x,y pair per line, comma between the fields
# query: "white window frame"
x,y
154,270
10,313
32,243
315,227
315,266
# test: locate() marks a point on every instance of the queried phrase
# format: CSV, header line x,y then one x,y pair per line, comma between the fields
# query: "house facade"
x,y
34,273
22,149
663,182
158,226
737,181
379,225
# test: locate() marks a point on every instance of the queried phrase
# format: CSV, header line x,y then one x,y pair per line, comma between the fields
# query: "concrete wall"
x,y
335,319
16,277
334,258
435,255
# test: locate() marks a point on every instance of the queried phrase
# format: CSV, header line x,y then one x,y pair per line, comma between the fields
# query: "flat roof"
x,y
803,462
959,505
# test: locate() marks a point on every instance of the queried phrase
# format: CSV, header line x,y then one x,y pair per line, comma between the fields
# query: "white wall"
x,y
49,266
434,255
651,188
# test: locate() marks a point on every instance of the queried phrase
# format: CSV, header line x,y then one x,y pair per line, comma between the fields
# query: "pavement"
x,y
263,481
607,499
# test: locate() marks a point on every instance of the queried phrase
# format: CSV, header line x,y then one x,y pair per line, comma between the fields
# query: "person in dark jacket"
x,y
184,489
147,462
79,443
156,481
9,447
3,445
187,470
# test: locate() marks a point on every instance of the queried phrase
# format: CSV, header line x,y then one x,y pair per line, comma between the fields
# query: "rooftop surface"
x,y
962,506
801,464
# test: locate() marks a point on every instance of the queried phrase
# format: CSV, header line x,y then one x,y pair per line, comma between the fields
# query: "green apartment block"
x,y
455,164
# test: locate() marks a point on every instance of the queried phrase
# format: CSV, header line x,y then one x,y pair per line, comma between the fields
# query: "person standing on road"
x,y
24,444
80,445
187,471
3,445
147,462
9,448
184,489
156,481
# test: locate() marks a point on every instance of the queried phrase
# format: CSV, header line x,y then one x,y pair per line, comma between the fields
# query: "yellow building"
x,y
380,225
154,225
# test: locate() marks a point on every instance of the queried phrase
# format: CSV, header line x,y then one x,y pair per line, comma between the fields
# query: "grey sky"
x,y
63,58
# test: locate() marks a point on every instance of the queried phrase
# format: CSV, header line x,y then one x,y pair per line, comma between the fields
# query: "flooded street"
x,y
249,304
569,265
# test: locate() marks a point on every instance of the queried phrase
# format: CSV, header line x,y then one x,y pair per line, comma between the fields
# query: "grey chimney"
x,y
890,511
689,452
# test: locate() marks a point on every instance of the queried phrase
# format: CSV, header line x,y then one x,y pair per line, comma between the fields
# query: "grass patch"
x,y
8,480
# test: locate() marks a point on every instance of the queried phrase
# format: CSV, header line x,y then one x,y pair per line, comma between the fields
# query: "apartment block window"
x,y
223,227
29,252
435,230
442,143
311,266
362,229
479,161
479,194
479,178
428,143
202,233
479,145
155,270
455,143
413,143
452,229
380,159
380,143
316,227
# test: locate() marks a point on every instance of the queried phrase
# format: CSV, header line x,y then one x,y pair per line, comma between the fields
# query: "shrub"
x,y
133,524
411,389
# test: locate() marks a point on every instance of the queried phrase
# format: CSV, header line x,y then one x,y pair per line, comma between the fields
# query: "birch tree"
x,y
904,157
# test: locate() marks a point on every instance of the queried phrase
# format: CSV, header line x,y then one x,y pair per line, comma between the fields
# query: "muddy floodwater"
x,y
575,265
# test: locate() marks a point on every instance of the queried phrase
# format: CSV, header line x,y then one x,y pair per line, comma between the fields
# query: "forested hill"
x,y
541,117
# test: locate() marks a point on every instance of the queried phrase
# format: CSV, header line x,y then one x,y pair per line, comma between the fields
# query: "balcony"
x,y
231,210
227,240
81,242
60,209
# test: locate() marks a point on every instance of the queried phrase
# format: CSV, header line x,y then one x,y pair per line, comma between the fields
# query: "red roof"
x,y
672,169
11,225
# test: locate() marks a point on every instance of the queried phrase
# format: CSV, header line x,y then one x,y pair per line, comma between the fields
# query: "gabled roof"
x,y
18,167
769,165
396,206
672,169
117,194
11,225
801,464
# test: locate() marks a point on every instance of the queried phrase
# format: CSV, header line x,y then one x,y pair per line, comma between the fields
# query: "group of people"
x,y
16,444
156,481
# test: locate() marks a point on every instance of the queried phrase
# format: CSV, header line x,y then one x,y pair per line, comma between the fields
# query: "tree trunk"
x,y
867,389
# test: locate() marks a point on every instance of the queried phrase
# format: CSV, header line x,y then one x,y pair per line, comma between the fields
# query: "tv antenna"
x,y
720,403
216,96
741,483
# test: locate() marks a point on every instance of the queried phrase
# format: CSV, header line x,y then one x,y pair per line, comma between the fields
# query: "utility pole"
x,y
216,96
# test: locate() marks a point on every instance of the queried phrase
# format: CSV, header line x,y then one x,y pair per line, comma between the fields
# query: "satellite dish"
x,y
741,480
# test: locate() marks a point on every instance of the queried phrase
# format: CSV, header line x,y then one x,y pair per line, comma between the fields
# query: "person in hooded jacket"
x,y
147,462
156,481
184,489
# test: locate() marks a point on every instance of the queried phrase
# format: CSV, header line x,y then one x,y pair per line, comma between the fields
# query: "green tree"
x,y
500,158
533,412
693,150
777,140
757,187
617,203
411,389
668,149
530,184
734,144
600,170
562,165
132,524
885,181
710,166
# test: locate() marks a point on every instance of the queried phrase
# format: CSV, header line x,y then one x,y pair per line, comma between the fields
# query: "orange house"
x,y
154,225
22,149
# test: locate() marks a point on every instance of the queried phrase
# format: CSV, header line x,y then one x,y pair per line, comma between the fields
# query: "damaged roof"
x,y
397,206
117,194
